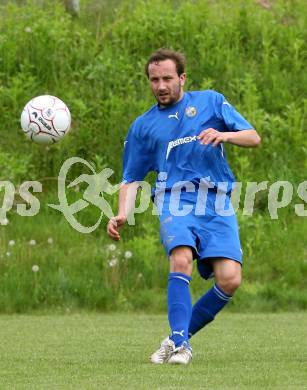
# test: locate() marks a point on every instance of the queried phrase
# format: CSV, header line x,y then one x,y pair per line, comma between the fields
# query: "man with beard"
x,y
181,138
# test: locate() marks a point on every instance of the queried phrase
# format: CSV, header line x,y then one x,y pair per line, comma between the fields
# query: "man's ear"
x,y
182,79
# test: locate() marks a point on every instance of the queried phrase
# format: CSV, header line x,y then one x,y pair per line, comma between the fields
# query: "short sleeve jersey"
x,y
164,140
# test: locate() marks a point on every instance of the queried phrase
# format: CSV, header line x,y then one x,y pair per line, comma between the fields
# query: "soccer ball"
x,y
45,119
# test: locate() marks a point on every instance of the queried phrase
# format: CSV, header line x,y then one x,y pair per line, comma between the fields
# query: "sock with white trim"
x,y
179,307
207,307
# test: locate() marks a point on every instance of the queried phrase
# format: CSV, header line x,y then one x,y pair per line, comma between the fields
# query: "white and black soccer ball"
x,y
45,119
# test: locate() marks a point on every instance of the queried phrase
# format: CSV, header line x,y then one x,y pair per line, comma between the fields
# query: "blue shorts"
x,y
210,235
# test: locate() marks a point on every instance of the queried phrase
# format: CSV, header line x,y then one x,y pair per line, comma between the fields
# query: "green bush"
x,y
253,55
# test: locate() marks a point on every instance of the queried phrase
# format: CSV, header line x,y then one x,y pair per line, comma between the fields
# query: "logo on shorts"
x,y
190,111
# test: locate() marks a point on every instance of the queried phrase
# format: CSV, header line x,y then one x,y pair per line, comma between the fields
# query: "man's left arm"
x,y
247,138
239,131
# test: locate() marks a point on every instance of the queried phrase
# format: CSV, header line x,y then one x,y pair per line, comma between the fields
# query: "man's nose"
x,y
161,85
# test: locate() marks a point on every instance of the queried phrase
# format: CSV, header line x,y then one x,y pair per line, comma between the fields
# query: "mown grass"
x,y
98,351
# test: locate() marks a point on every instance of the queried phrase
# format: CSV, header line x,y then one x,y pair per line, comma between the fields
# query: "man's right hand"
x,y
114,226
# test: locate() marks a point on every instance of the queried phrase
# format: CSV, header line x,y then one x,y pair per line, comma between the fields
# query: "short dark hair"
x,y
167,54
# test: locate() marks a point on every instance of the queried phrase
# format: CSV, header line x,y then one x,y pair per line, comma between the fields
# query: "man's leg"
x,y
175,349
227,279
179,298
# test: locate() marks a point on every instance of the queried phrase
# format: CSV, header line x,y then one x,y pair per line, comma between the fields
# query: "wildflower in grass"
x,y
8,254
112,247
28,29
50,240
113,262
140,276
4,222
35,268
11,243
32,242
128,255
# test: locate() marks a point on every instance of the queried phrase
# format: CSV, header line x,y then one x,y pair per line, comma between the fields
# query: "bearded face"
x,y
165,83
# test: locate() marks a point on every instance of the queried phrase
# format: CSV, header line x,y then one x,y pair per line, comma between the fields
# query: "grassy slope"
x,y
254,55
75,272
111,351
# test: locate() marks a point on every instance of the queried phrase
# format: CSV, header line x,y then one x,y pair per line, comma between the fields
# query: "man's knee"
x,y
181,260
230,283
228,274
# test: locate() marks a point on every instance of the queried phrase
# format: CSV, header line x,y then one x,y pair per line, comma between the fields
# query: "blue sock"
x,y
207,307
179,306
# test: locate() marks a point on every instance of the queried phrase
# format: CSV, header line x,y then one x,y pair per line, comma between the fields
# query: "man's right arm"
x,y
127,196
136,164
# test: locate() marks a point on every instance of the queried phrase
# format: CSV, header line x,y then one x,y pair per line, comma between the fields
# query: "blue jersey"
x,y
164,140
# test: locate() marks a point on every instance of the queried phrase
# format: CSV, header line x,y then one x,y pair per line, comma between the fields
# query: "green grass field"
x,y
110,351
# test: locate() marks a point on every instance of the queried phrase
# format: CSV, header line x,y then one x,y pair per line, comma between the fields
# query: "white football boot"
x,y
181,355
165,351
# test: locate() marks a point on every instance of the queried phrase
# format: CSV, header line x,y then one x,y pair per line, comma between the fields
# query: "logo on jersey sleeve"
x,y
190,111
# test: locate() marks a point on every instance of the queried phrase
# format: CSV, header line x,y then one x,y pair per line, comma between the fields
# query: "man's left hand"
x,y
212,136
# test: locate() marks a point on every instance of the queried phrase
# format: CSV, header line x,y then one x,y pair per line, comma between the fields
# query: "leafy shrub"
x,y
255,56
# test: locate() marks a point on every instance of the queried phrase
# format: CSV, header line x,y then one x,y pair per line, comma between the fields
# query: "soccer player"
x,y
181,138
